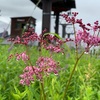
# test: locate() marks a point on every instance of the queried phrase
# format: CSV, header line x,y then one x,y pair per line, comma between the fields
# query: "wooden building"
x,y
20,24
53,5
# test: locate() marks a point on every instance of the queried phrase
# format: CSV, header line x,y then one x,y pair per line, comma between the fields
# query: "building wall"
x,y
20,24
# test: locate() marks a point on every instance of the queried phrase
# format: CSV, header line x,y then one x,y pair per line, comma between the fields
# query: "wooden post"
x,y
57,23
46,15
63,30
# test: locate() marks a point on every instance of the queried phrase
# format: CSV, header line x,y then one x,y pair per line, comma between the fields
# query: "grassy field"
x,y
85,83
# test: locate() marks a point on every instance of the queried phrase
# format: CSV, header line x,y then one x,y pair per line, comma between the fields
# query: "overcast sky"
x,y
88,11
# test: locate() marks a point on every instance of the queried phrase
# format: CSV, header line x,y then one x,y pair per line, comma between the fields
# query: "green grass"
x,y
85,84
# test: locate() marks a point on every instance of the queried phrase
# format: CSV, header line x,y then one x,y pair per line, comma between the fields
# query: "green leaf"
x,y
53,34
23,94
2,97
16,96
69,98
89,91
98,95
17,91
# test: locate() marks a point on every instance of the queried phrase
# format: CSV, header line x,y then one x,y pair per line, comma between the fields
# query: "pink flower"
x,y
53,48
84,35
44,66
22,56
47,65
25,38
27,76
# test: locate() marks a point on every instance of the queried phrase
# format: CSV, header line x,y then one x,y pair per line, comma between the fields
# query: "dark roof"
x,y
24,17
59,5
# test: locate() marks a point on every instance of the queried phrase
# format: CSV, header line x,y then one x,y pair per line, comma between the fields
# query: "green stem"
x,y
68,83
27,51
69,80
42,91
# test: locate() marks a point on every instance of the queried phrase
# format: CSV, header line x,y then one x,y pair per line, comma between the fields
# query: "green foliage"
x,y
19,95
85,84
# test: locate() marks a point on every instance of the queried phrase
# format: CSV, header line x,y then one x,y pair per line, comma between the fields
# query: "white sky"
x,y
88,11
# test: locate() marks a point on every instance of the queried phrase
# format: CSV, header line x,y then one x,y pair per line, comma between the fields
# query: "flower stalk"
x,y
43,96
71,75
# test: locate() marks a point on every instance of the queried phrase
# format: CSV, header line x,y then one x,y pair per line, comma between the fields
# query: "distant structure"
x,y
20,24
53,5
68,30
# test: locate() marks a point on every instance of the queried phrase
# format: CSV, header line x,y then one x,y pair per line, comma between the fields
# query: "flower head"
x,y
44,66
22,56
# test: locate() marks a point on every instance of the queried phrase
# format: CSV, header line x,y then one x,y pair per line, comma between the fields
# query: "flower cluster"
x,y
25,38
53,48
87,34
69,19
73,20
27,75
44,66
48,41
47,65
90,40
22,56
53,44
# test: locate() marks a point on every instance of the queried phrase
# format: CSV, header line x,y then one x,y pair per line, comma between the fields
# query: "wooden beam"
x,y
46,15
